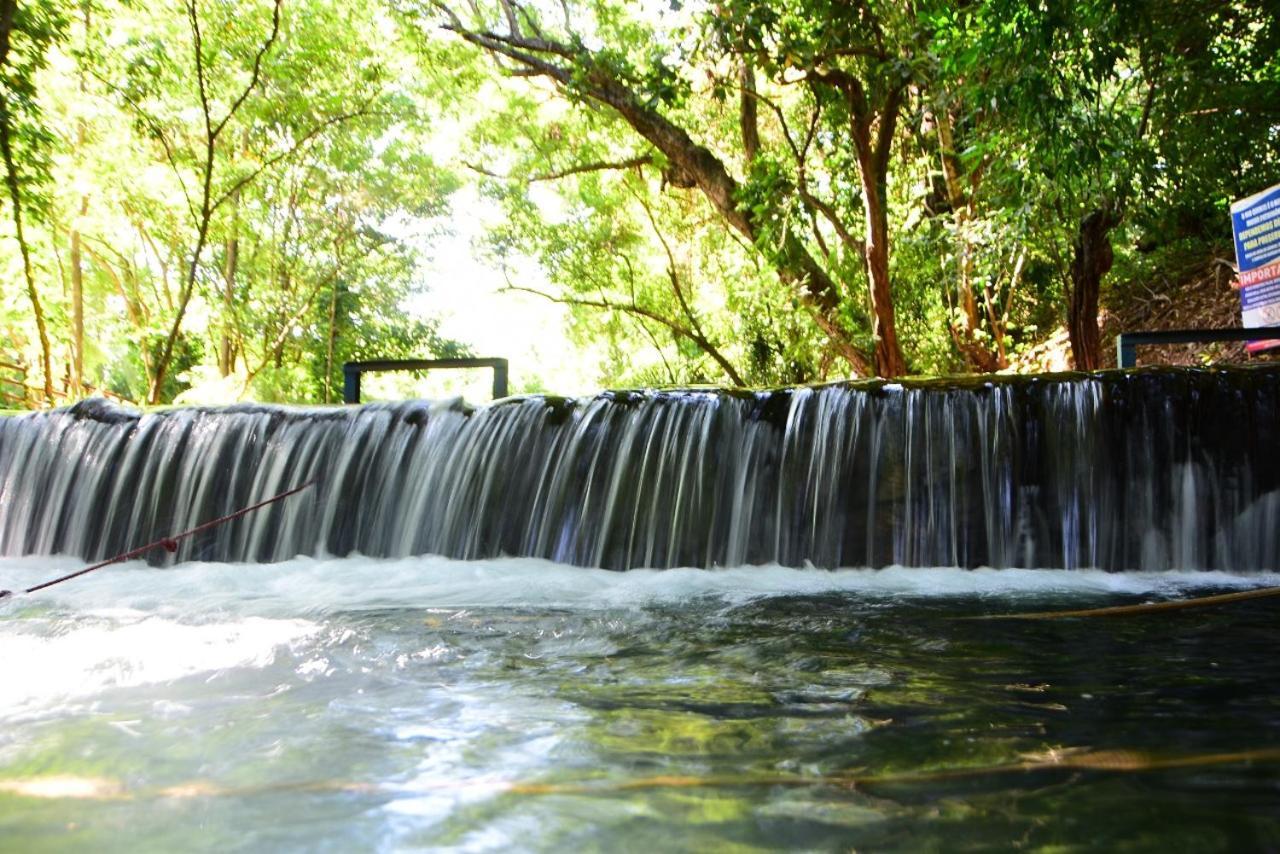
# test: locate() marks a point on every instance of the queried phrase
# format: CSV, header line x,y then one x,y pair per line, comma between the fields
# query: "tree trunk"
x,y
15,202
331,343
77,252
793,263
1091,260
134,308
165,356
77,306
208,205
889,359
226,351
977,356
747,113
873,172
8,8
231,262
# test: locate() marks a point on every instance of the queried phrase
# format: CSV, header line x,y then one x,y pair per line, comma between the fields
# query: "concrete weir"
x,y
1146,469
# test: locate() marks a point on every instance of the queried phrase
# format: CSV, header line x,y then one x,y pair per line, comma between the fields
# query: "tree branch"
x,y
887,126
256,73
590,80
294,149
631,308
846,83
747,117
159,133
197,48
674,277
597,166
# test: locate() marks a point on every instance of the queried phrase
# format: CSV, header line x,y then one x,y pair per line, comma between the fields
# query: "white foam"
x,y
304,586
130,626
50,661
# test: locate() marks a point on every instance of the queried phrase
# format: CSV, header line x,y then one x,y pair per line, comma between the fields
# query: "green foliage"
x,y
300,227
37,28
1008,125
319,160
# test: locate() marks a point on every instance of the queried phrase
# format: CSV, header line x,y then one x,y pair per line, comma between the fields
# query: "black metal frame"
x,y
1127,343
351,372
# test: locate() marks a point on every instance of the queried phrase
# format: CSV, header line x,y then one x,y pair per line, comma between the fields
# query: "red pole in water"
x,y
169,544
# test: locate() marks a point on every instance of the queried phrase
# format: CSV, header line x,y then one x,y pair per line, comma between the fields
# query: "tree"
x,y
236,198
25,37
307,178
208,199
852,74
650,273
262,96
1116,114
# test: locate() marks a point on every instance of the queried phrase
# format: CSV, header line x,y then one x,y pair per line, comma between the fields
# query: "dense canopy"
x,y
229,199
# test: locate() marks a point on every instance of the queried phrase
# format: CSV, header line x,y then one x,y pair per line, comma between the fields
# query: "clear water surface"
x,y
515,704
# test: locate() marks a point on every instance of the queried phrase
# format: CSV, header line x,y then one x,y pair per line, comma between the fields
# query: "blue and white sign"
x,y
1255,224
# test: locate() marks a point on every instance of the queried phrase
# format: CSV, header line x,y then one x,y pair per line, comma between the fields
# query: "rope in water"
x,y
169,544
1144,608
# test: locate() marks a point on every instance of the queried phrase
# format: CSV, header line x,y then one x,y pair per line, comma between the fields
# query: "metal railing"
x,y
13,384
351,372
1127,343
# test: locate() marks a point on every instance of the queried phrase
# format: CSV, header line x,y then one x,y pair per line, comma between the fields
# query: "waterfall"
x,y
1146,469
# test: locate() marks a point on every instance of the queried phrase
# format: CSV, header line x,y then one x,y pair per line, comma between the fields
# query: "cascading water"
x,y
1148,469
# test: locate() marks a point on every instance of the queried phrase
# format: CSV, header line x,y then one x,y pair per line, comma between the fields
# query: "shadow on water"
x,y
825,722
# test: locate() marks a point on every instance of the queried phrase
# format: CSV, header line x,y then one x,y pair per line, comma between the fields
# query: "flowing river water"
x,y
515,704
